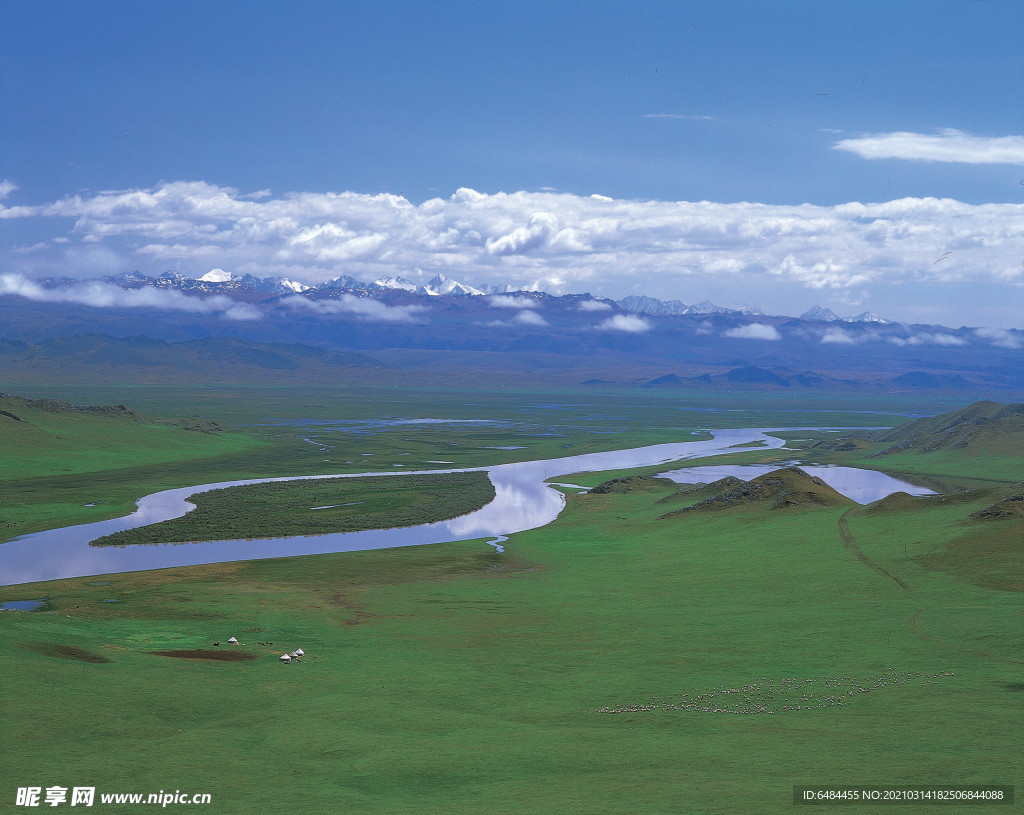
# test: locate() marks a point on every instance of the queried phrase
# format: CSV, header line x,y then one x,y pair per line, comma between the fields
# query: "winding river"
x,y
522,501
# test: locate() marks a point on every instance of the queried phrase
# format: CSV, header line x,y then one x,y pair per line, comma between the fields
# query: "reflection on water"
x,y
522,501
862,486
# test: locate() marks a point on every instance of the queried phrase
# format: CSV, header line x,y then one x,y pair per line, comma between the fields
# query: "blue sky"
x,y
217,116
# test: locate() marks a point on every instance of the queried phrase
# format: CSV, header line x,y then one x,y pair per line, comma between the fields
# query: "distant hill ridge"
x,y
984,423
95,349
83,356
758,378
14,407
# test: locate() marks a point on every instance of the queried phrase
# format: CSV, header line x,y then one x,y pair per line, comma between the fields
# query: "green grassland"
x,y
317,507
611,662
569,674
56,459
45,438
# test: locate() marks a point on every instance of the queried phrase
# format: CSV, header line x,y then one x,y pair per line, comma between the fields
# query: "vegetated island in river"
x,y
319,506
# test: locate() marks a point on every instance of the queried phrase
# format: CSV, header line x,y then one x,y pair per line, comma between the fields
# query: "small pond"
x,y
22,605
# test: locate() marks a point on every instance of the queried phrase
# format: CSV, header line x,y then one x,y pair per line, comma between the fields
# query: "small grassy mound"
x,y
902,502
633,483
1009,507
691,493
789,487
896,502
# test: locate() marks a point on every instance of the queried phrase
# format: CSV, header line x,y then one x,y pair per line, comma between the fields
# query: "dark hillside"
x,y
982,423
213,359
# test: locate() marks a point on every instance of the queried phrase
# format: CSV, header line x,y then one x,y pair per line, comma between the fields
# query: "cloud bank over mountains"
x,y
555,242
98,294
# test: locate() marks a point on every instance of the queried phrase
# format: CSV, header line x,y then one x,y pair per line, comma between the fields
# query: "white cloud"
x,y
822,275
6,187
554,241
997,336
677,116
935,339
365,307
629,323
948,145
754,331
838,336
593,305
527,317
927,338
106,295
504,301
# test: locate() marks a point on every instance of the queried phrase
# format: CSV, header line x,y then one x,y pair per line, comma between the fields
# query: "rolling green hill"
x,y
983,424
982,441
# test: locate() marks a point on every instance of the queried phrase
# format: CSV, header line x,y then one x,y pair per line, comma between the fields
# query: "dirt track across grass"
x,y
850,543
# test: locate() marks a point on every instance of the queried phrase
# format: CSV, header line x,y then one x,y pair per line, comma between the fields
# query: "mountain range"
x,y
445,330
251,287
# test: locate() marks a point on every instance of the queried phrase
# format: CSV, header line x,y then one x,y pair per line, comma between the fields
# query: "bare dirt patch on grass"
x,y
215,654
54,649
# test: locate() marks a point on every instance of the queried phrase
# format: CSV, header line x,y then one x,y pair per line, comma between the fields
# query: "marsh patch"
x,y
53,649
217,655
22,605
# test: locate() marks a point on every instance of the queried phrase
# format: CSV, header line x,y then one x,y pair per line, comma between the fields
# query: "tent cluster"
x,y
294,656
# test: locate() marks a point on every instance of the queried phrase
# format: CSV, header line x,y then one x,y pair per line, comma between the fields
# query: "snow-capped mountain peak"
x,y
292,285
216,276
866,317
751,310
389,282
440,284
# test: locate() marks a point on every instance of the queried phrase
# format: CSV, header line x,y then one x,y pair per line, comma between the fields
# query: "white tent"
x,y
285,658
300,652
233,641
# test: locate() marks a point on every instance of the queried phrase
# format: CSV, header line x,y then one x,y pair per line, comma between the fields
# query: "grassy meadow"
x,y
610,662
